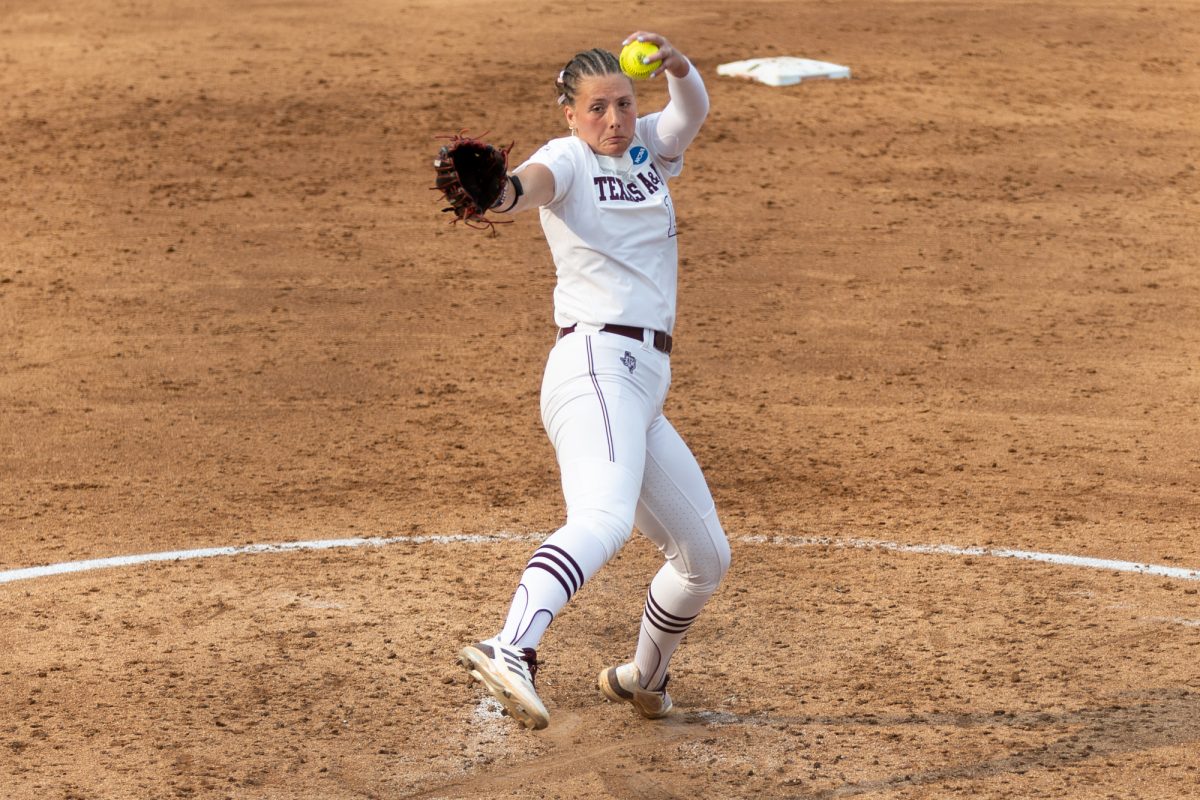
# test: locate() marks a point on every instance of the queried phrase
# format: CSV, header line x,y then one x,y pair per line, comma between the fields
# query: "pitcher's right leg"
x,y
596,418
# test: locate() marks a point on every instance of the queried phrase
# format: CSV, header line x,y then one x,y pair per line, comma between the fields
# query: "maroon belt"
x,y
662,341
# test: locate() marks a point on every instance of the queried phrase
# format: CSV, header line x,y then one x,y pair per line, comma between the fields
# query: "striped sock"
x,y
670,611
555,572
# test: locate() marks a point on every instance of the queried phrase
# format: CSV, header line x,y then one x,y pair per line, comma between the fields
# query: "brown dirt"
x,y
951,300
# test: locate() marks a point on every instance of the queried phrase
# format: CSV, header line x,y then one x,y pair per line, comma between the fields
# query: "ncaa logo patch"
x,y
639,154
629,361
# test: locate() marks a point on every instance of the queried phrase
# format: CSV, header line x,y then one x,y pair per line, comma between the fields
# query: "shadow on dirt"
x,y
1140,721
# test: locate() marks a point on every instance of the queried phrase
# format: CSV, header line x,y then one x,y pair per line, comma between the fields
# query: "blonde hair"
x,y
582,65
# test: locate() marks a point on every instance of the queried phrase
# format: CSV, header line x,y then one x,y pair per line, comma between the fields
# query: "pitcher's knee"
x,y
709,566
724,554
611,530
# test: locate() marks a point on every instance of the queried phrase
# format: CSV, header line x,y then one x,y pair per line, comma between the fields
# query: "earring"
x,y
574,131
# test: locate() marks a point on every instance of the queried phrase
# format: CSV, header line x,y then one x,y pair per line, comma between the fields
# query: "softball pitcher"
x,y
606,210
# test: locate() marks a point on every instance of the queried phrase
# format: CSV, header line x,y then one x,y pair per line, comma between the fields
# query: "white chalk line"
x,y
987,552
28,573
249,549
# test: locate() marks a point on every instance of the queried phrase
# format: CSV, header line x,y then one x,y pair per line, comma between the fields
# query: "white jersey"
x,y
611,231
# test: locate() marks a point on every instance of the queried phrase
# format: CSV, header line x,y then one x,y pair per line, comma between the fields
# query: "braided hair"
x,y
589,63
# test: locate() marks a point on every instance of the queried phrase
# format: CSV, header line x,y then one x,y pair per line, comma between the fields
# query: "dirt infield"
x,y
952,300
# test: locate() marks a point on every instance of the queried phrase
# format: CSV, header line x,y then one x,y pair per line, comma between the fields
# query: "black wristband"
x,y
517,192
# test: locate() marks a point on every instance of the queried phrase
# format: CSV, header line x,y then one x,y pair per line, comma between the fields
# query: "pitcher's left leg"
x,y
676,512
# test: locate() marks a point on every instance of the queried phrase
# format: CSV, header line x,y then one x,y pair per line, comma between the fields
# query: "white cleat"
x,y
508,673
621,685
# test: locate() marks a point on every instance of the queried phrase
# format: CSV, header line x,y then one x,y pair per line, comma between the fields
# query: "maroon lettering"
x,y
611,188
614,188
621,189
649,181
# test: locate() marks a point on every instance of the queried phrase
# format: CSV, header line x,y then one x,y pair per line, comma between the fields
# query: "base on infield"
x,y
782,70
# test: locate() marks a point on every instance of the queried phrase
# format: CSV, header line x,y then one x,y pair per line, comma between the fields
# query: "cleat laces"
x,y
529,656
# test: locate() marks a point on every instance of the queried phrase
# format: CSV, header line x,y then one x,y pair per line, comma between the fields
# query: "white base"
x,y
782,70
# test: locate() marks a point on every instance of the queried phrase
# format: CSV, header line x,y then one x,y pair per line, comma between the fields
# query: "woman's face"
x,y
604,113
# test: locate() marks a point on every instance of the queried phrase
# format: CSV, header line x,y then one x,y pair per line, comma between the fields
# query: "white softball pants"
x,y
621,463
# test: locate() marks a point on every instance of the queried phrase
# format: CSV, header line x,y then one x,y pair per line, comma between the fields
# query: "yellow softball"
x,y
631,59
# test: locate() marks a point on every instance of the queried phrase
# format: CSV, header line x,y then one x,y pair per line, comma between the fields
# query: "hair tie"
x,y
562,99
561,73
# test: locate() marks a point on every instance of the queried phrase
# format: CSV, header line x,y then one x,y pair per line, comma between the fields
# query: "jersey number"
x,y
671,216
